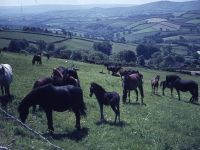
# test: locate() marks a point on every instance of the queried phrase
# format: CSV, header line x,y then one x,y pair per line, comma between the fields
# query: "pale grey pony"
x,y
6,77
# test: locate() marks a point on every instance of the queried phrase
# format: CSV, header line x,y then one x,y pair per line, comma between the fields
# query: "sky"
x,y
74,2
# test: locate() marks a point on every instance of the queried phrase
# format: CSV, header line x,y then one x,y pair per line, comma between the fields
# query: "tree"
x,y
125,56
41,45
50,47
146,50
141,60
104,47
17,45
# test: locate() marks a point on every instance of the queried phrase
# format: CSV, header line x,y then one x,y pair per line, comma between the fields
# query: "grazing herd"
x,y
62,91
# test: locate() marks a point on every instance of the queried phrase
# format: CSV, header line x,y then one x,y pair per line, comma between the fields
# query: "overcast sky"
x,y
74,2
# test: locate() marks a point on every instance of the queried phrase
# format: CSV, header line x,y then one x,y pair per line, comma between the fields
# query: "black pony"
x,y
187,85
170,79
106,98
37,58
54,98
132,82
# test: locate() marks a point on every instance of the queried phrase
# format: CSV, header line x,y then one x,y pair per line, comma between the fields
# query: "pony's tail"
x,y
142,91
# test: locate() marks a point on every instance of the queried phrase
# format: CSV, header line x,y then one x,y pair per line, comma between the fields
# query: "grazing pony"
x,y
37,58
6,76
57,82
155,84
170,79
113,69
132,82
187,85
106,98
54,98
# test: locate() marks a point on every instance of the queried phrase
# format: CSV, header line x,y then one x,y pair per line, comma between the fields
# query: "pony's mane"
x,y
97,86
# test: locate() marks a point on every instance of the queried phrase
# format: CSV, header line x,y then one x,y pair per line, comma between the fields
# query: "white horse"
x,y
6,76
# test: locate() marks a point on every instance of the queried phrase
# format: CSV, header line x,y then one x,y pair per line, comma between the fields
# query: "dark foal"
x,y
54,98
155,84
106,98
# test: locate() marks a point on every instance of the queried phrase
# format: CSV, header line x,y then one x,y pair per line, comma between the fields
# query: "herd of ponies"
x,y
62,91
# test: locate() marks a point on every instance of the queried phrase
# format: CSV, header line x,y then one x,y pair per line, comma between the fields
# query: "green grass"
x,y
4,43
29,36
187,37
164,123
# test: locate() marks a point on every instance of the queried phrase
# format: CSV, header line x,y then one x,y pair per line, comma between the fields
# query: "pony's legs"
x,y
171,91
101,111
163,90
124,96
129,96
49,119
7,90
116,111
34,108
136,91
77,114
141,93
178,92
2,90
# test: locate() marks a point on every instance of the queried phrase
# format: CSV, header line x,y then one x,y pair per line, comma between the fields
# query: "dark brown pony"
x,y
106,98
68,80
54,98
132,82
187,85
37,58
155,84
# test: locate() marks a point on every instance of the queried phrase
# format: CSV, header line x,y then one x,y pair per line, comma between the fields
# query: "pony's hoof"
x,y
78,127
49,131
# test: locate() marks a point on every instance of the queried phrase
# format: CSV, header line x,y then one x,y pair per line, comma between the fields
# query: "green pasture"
x,y
29,36
163,123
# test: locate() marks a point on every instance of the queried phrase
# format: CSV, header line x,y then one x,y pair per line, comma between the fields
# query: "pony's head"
x,y
95,88
23,112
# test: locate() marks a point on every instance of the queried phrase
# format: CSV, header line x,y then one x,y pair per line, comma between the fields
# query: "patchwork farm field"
x,y
70,44
163,123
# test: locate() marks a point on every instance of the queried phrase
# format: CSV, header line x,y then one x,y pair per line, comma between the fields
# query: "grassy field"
x,y
71,44
163,123
29,36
